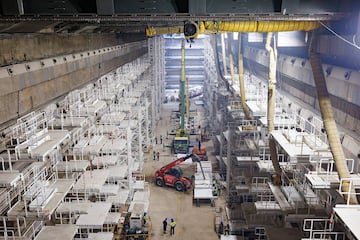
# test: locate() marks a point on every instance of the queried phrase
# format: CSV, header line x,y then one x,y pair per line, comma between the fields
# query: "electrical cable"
x,y
354,39
337,35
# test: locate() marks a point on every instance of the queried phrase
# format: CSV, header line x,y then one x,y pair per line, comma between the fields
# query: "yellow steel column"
x,y
187,100
271,104
272,81
232,72
223,54
241,82
330,125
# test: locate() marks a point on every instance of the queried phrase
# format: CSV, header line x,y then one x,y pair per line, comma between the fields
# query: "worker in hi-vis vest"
x,y
172,227
145,217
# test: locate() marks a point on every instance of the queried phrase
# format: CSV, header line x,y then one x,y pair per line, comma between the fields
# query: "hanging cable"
x,y
354,39
337,35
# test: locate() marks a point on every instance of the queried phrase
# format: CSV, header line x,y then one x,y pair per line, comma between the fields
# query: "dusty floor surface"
x,y
193,223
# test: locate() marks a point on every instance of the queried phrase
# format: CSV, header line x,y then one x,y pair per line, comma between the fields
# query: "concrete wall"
x,y
337,51
294,76
31,84
17,48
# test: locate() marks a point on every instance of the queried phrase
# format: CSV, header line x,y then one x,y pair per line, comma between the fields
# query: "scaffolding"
x,y
309,182
79,155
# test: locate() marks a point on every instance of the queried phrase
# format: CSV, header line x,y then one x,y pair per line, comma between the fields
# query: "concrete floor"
x,y
192,222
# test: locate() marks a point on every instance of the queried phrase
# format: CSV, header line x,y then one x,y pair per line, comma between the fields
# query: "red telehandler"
x,y
200,151
172,175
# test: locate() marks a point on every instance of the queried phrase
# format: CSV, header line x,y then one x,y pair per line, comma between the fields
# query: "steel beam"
x,y
197,6
105,7
167,19
290,6
11,7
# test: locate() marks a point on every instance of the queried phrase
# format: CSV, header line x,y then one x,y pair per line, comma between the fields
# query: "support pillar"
x,y
271,104
223,47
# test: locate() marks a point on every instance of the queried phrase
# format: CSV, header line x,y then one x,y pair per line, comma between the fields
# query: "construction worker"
x,y
172,227
164,225
215,190
218,189
221,228
227,229
214,182
158,156
145,217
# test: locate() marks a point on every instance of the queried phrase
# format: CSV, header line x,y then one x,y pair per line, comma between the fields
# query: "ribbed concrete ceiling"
x,y
135,15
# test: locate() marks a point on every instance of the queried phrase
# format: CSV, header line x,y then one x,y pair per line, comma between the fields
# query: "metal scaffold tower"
x,y
211,82
156,55
79,161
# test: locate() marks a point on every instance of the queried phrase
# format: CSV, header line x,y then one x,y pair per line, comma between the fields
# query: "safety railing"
x,y
329,235
28,126
39,191
8,234
315,225
353,183
13,224
68,217
5,201
260,182
313,126
284,121
326,168
267,157
33,230
260,233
